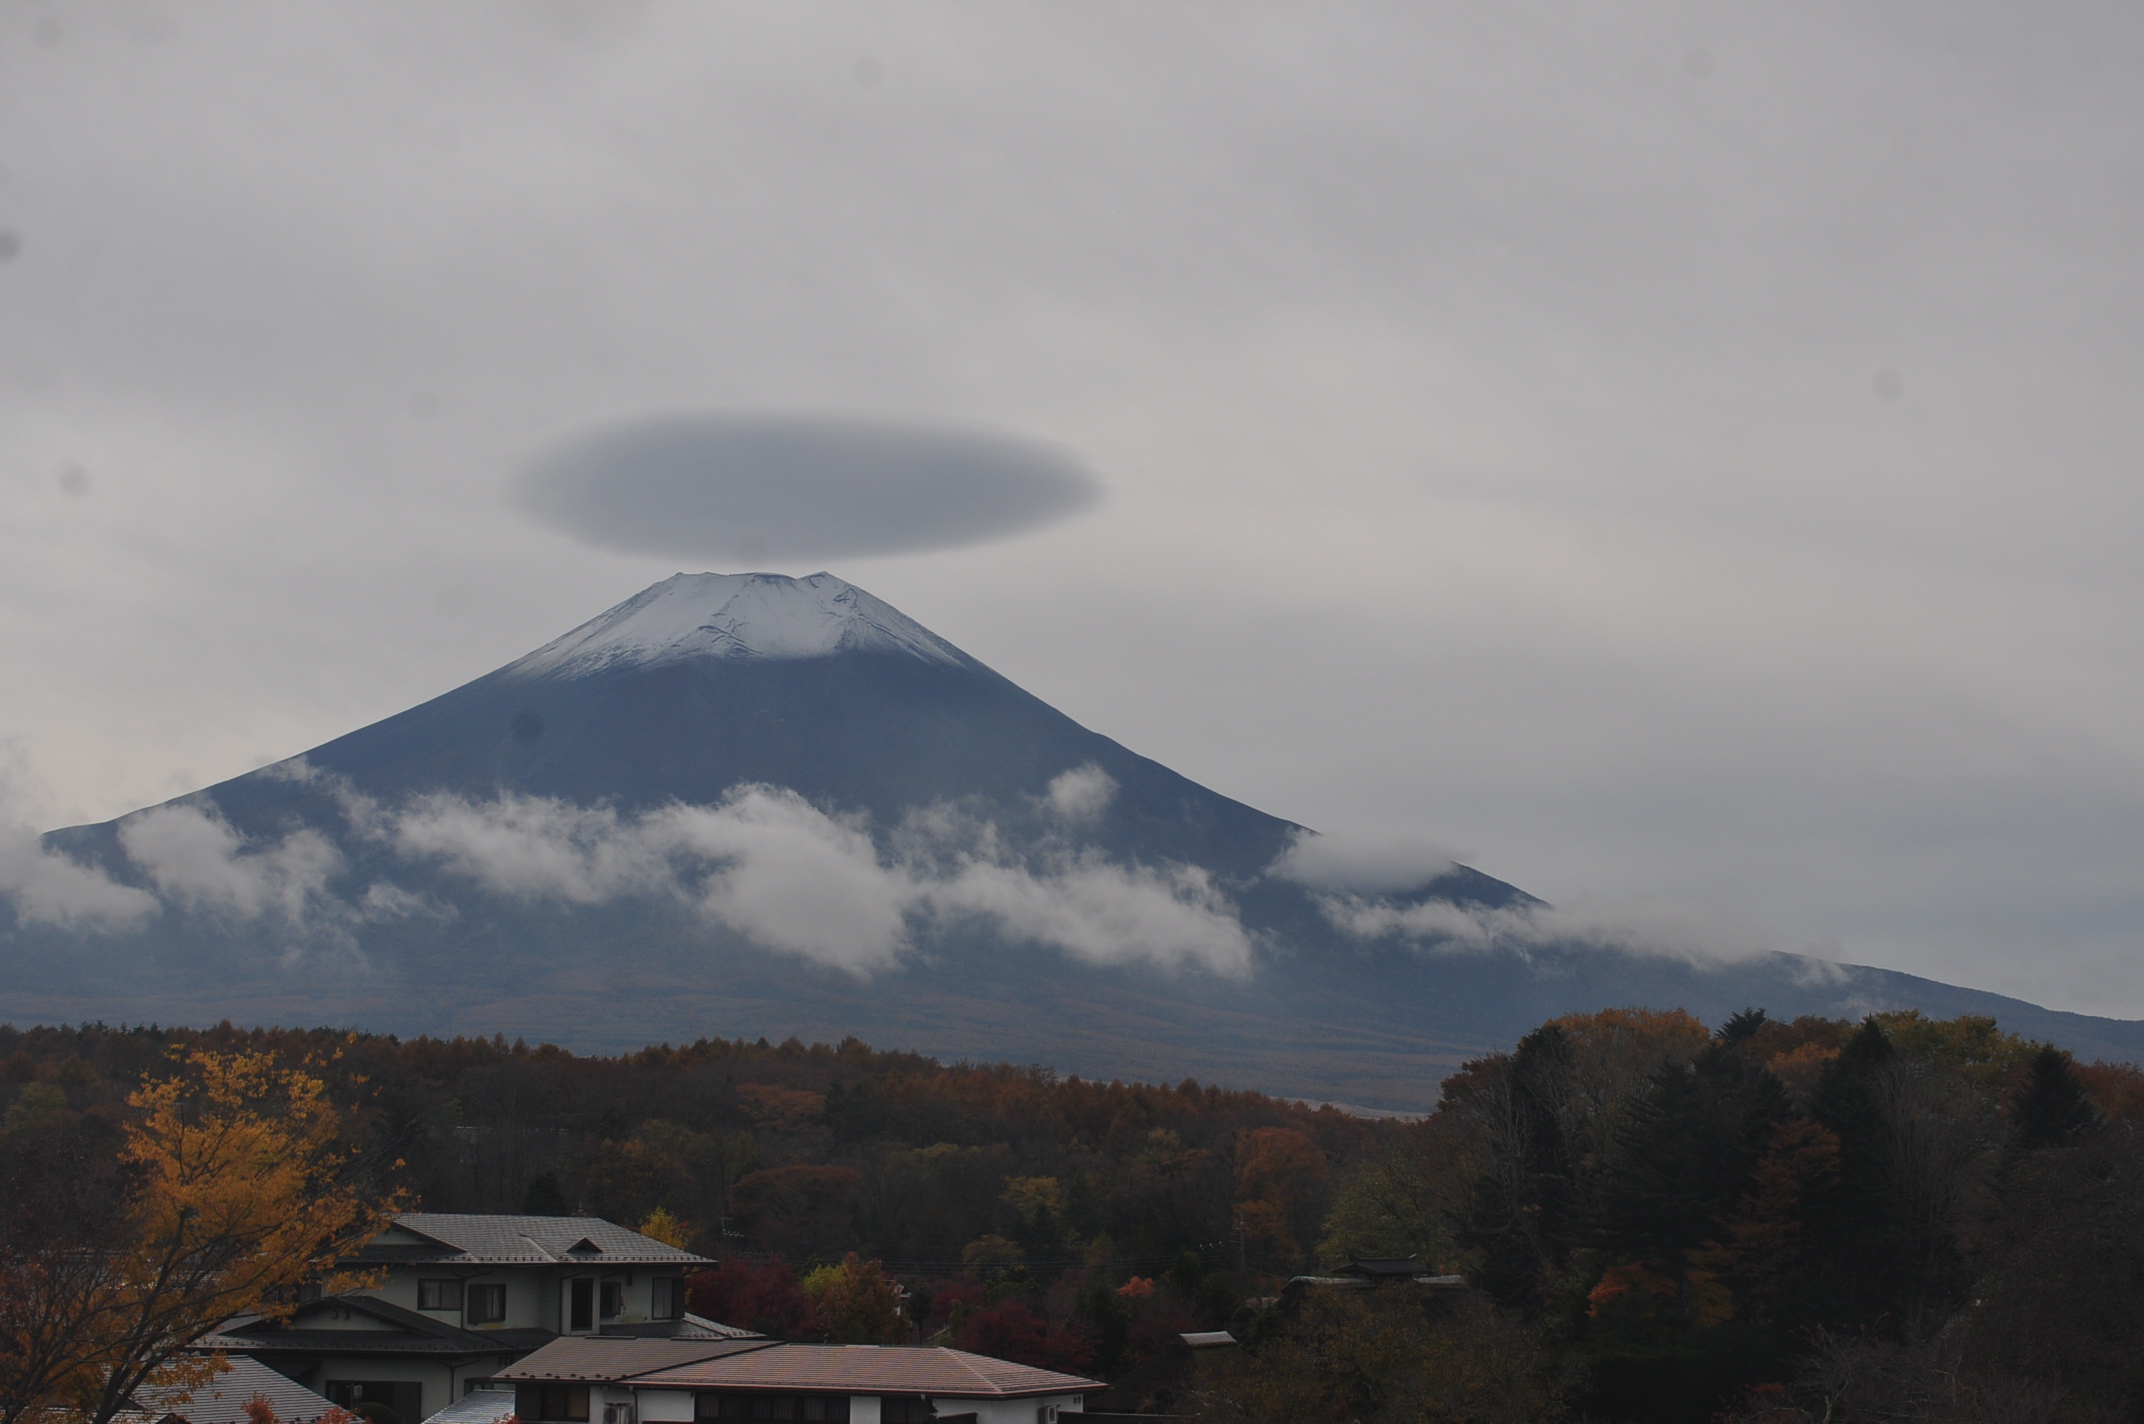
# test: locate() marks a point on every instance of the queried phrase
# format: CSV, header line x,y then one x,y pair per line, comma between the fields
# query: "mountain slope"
x,y
750,804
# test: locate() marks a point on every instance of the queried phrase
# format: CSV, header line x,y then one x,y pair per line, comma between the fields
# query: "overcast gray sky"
x,y
1677,455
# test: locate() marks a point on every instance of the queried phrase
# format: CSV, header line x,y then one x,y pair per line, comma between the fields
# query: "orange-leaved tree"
x,y
1280,1176
241,1187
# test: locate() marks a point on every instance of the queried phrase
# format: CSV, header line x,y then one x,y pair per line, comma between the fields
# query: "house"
x,y
581,1381
459,1298
1369,1274
223,1399
1161,1383
566,1275
1383,1270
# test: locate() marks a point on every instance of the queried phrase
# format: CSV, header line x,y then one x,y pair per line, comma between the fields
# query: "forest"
x,y
1896,1218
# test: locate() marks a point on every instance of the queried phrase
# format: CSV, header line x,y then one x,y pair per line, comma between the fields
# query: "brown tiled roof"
x,y
866,1369
594,1359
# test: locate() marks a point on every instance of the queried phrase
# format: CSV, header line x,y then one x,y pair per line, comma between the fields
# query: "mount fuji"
x,y
767,806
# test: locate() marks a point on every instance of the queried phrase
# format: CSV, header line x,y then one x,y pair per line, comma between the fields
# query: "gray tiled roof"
x,y
525,1241
223,1399
373,1342
414,1333
478,1406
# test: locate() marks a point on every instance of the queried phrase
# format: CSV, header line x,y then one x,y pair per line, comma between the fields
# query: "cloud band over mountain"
x,y
763,863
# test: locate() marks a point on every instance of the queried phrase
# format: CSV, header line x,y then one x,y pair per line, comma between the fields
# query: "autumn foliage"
x,y
1817,1219
1655,1220
233,1183
762,1296
855,1303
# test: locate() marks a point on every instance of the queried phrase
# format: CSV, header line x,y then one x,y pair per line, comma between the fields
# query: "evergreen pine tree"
x,y
1518,1216
545,1197
1687,1154
2051,1107
1742,1027
1865,1240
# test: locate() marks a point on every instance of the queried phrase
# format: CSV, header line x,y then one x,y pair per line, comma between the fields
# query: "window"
x,y
581,1304
565,1402
812,1408
487,1304
613,1300
905,1411
669,1303
404,1399
439,1295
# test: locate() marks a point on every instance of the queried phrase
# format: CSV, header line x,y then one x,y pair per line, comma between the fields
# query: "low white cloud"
x,y
1364,864
197,859
531,847
763,862
1081,795
48,888
1105,913
1660,929
793,878
385,900
785,874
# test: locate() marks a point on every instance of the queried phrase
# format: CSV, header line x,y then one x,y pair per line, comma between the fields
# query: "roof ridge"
x,y
719,1350
403,1223
963,1356
383,1309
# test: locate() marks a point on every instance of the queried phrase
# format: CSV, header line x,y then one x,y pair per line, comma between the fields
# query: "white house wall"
x,y
666,1406
1002,1411
675,1406
535,1295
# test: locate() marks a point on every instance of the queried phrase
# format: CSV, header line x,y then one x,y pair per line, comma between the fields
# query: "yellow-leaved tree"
x,y
240,1186
661,1225
857,1304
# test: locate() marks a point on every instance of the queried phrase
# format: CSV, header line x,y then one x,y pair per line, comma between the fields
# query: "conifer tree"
x,y
2051,1107
1517,1215
544,1197
1742,1027
1688,1152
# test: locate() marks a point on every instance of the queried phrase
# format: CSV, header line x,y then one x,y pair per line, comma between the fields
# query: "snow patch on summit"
x,y
737,616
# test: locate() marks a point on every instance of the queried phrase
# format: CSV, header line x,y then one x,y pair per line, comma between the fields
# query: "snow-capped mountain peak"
x,y
768,616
